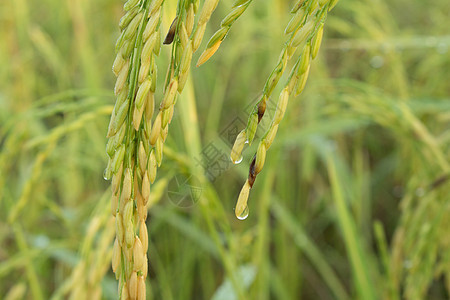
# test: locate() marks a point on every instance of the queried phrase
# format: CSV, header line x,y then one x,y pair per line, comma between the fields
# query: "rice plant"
x,y
334,115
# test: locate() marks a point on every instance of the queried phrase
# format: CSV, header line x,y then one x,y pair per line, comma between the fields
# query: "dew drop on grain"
x,y
106,174
238,160
244,214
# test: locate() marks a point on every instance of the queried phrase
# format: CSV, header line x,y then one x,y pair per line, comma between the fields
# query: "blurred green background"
x,y
353,201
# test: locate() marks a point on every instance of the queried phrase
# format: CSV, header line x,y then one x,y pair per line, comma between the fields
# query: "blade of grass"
x,y
353,244
30,269
311,251
192,140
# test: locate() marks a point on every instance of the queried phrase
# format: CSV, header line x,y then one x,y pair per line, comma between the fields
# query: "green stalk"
x,y
356,255
311,251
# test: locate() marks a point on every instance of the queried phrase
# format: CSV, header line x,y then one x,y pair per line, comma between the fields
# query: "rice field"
x,y
352,201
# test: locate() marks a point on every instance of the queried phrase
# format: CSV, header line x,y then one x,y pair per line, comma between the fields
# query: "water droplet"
x,y
106,174
238,161
246,141
244,214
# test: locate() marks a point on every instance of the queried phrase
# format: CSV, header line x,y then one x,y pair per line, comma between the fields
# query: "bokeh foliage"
x,y
354,198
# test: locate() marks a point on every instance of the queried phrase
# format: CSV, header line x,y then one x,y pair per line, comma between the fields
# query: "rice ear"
x,y
304,30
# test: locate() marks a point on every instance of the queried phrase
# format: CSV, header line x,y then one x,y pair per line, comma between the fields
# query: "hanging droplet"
x,y
107,174
246,141
244,214
238,161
